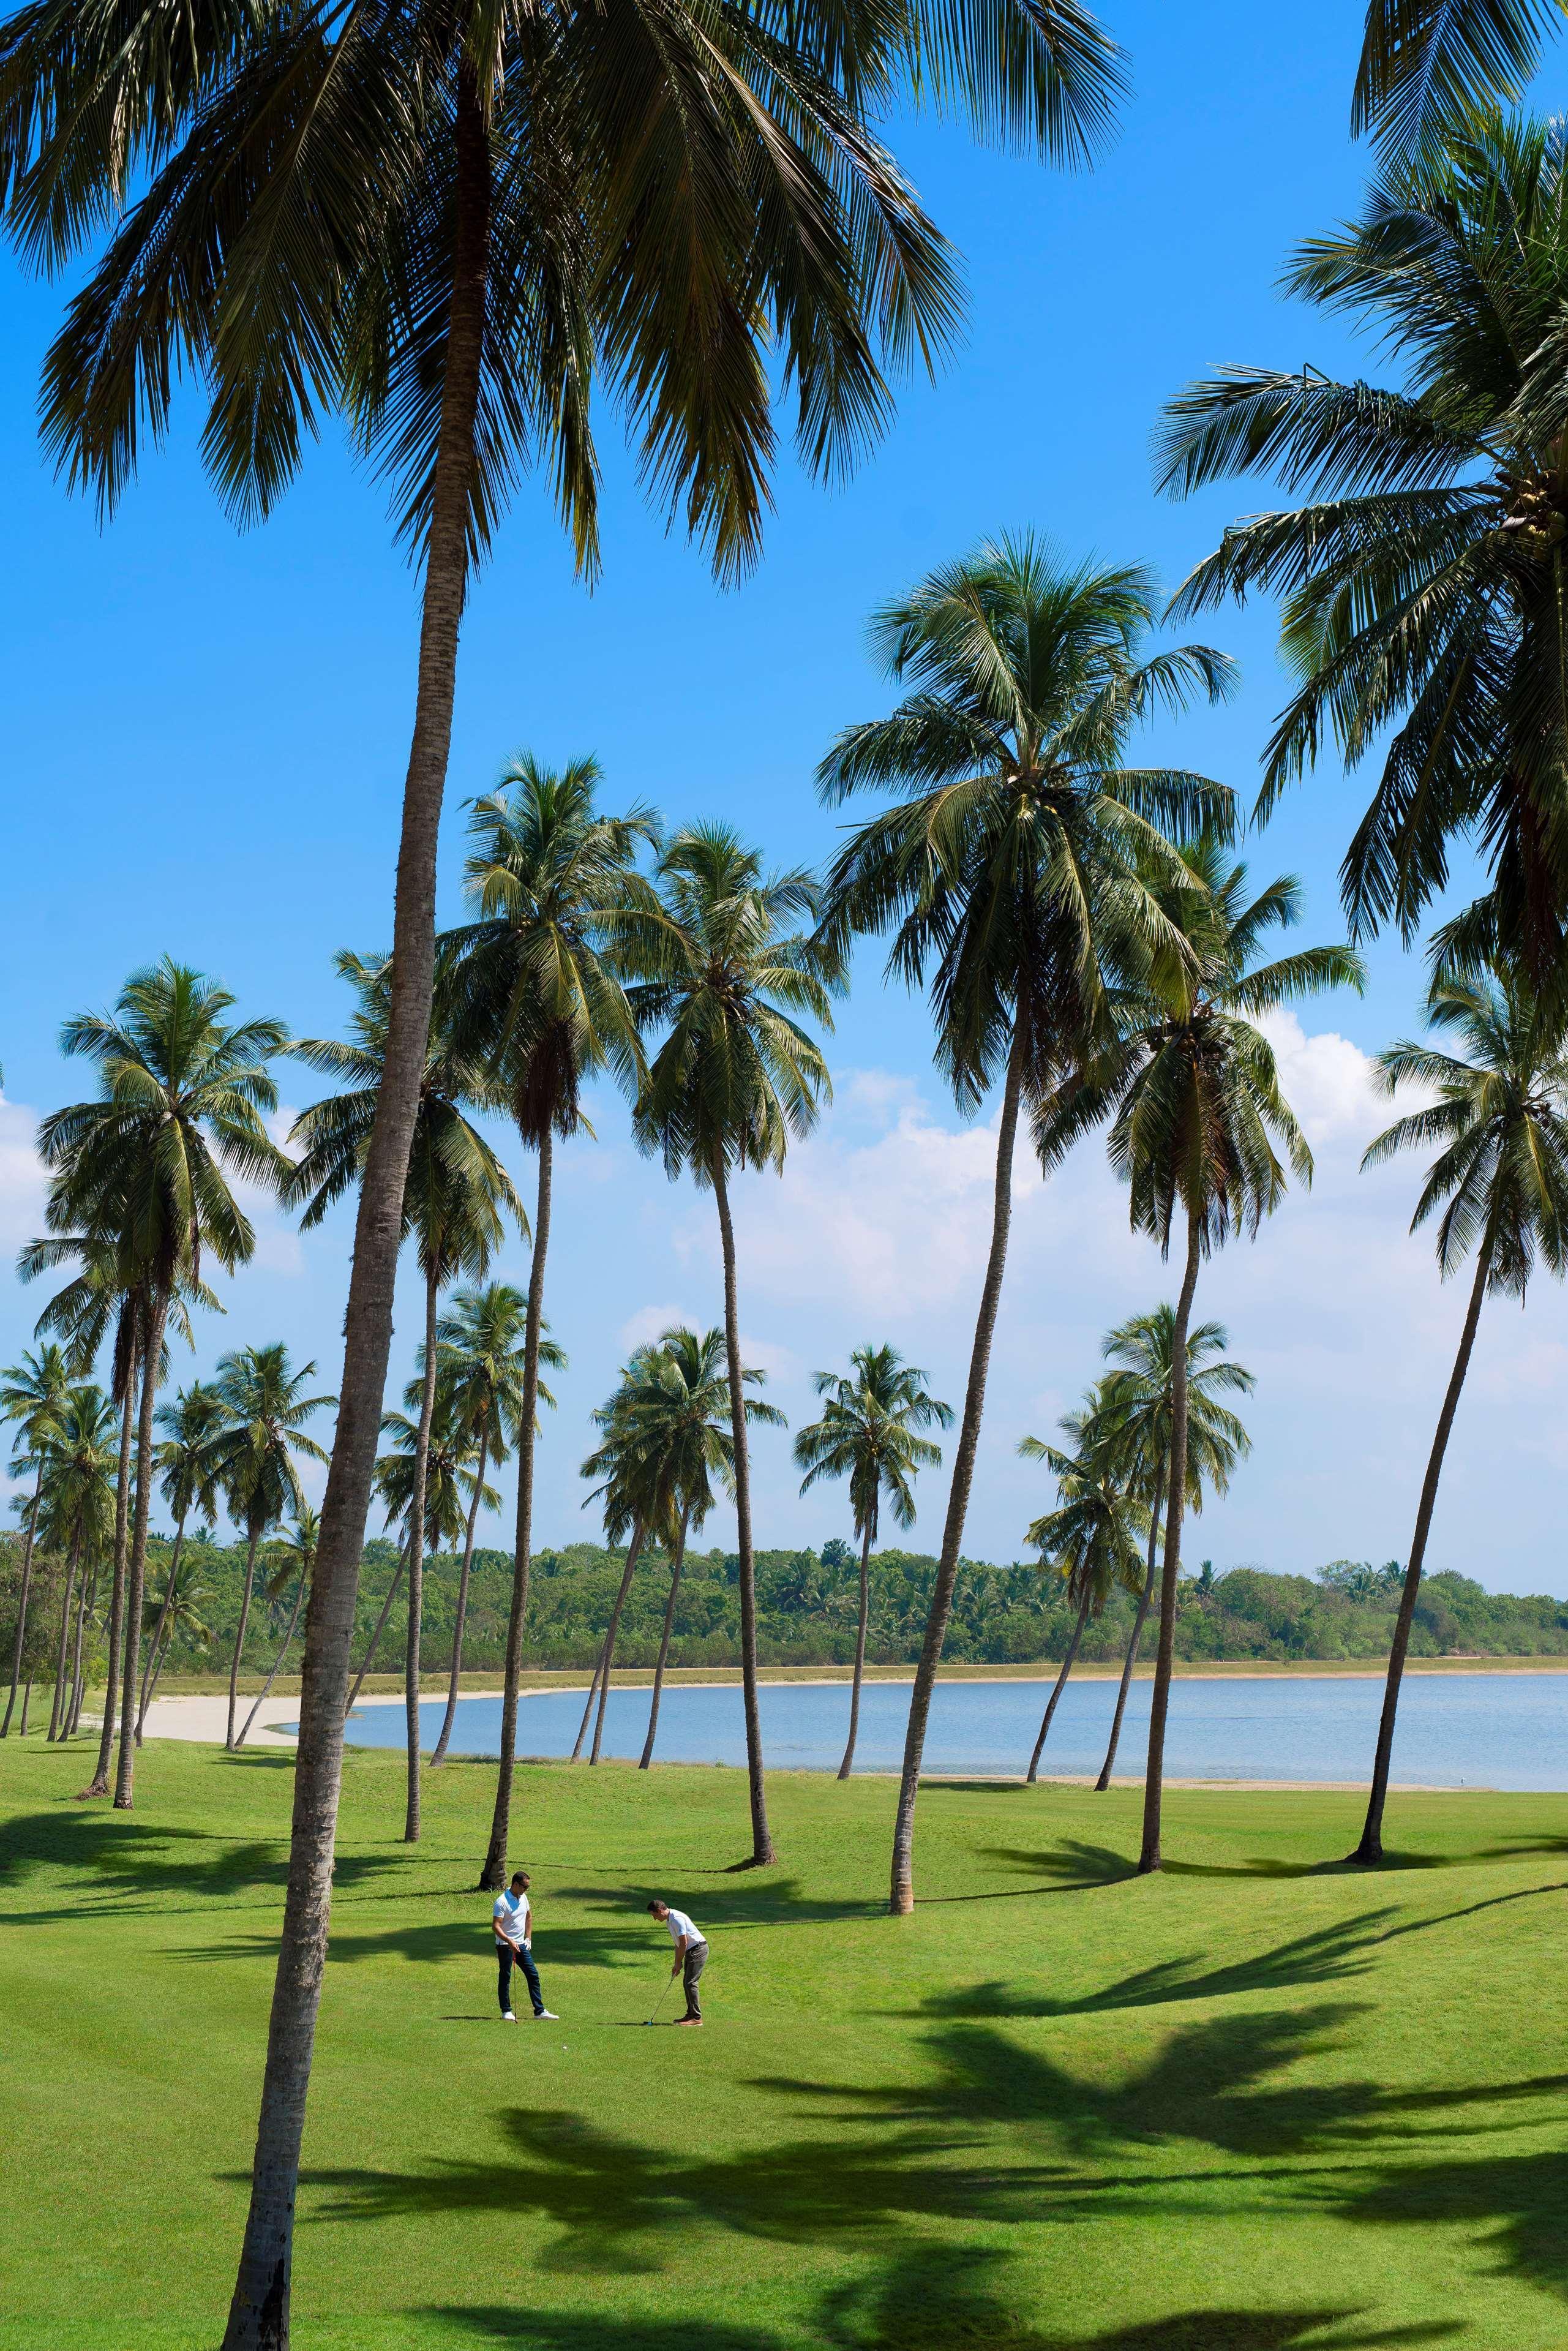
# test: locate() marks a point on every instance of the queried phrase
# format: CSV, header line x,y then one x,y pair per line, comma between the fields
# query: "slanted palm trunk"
x,y
58,1709
439,1756
675,1566
259,2312
612,1628
1131,1659
99,1784
240,1634
1057,1689
900,1900
867,1535
1160,1704
159,1659
492,1876
156,1649
22,1601
417,1562
87,1600
266,1689
1370,1849
393,1588
136,1574
762,1851
588,1705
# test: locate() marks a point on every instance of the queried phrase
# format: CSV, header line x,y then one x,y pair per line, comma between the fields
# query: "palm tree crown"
x,y
869,1433
265,1412
1091,1539
1134,1413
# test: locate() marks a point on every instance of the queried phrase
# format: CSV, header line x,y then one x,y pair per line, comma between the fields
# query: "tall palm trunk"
x,y
492,1876
416,1560
259,2311
675,1566
900,1898
27,1702
369,1656
159,1659
1370,1849
59,1708
22,1601
99,1784
762,1851
255,1538
1131,1659
867,1533
287,1644
155,1650
587,1703
634,1552
86,1602
136,1574
439,1755
1060,1685
1160,1704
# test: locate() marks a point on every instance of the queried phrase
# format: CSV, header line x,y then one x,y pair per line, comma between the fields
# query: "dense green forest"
x,y
807,1612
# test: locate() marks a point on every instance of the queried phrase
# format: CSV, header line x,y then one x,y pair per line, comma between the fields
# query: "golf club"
x,y
659,2003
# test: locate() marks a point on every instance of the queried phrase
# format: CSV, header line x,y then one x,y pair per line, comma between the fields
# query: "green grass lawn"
x,y
1256,2103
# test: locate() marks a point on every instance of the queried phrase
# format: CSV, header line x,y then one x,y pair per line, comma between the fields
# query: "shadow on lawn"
x,y
123,1856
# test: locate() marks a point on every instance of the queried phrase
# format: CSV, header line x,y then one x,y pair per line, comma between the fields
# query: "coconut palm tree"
x,y
1423,584
1425,73
253,1459
186,1470
736,1076
869,1433
1090,1539
1014,879
1133,1427
480,1339
637,1504
456,1203
78,1455
557,899
1191,1090
144,1171
1500,1123
298,1549
180,1612
31,1394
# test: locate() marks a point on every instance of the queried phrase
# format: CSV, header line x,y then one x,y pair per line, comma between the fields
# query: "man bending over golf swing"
x,y
514,1934
691,1955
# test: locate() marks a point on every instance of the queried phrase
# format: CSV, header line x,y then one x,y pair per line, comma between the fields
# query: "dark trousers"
x,y
695,1962
505,1955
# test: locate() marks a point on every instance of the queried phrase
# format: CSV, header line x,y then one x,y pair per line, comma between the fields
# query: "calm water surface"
x,y
1496,1730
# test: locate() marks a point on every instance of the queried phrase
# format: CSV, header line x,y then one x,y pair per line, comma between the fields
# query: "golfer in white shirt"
x,y
691,1955
514,1925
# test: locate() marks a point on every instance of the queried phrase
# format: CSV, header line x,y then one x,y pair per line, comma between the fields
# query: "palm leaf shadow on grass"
x,y
1517,2202
120,1856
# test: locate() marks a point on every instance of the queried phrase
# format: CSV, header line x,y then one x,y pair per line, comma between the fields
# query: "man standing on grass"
x,y
691,1955
514,1938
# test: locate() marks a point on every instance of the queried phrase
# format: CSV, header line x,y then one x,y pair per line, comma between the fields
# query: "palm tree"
x,y
31,1394
1424,582
1134,1428
1425,72
480,1339
76,1455
735,1077
1090,1538
143,1170
1016,876
252,1460
869,1433
1500,1122
1192,1092
455,1201
557,897
637,1503
180,1612
186,1469
294,1568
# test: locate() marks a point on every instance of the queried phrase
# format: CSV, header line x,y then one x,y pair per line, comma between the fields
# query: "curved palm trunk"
x,y
492,1876
136,1574
1131,1659
266,1690
439,1755
99,1784
588,1706
259,2311
59,1708
22,1603
844,1767
1160,1704
239,1636
762,1851
27,1702
159,1659
634,1554
1370,1849
86,1602
1060,1684
900,1898
393,1588
417,1562
155,1650
675,1566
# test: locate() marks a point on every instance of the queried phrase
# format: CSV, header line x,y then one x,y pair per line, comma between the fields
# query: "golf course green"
x,y
1258,2102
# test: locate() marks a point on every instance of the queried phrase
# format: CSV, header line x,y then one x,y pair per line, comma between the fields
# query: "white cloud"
x,y
23,1183
651,1323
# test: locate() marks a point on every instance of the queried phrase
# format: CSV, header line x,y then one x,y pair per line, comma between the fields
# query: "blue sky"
x,y
206,738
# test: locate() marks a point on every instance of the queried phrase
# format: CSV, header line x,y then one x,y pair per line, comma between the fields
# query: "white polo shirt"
x,y
679,1925
512,1913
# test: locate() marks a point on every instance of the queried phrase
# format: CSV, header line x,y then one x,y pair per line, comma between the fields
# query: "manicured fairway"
x,y
1260,2102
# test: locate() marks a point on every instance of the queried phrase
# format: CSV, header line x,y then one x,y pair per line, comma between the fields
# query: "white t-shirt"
x,y
679,1925
512,1917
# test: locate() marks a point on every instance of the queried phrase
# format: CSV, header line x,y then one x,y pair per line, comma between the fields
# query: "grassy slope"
x,y
1253,2105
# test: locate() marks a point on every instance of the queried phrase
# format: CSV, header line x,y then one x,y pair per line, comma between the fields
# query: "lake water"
x,y
1496,1730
